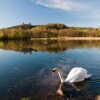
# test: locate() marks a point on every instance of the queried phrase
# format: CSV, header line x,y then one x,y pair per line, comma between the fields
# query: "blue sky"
x,y
85,13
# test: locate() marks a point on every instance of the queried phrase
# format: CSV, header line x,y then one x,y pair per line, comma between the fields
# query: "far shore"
x,y
68,38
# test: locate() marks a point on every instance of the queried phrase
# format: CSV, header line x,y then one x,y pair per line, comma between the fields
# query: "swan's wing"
x,y
76,75
72,73
76,78
76,70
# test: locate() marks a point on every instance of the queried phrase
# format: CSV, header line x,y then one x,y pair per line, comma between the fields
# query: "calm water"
x,y
26,67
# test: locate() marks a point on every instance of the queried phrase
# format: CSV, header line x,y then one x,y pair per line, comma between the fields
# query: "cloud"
x,y
87,9
62,4
83,11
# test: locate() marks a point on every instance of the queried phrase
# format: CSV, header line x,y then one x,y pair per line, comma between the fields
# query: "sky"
x,y
84,13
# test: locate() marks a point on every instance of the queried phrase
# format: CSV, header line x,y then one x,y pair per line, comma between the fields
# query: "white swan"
x,y
77,74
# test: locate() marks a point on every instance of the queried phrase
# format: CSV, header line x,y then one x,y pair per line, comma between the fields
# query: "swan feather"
x,y
77,74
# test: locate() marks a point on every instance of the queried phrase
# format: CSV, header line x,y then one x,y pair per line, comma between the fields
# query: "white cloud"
x,y
62,4
85,10
88,9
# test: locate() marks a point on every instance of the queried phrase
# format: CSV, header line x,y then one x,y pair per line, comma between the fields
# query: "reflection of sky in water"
x,y
25,75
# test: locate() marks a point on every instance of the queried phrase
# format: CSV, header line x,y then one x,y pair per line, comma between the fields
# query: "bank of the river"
x,y
68,38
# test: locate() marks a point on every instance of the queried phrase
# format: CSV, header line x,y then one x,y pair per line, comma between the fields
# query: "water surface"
x,y
26,67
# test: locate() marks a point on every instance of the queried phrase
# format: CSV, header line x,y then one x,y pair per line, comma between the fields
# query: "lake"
x,y
26,67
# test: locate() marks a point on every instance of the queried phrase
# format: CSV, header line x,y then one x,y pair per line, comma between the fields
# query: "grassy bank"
x,y
49,31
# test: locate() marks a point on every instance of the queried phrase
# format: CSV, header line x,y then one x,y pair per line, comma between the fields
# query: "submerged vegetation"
x,y
28,31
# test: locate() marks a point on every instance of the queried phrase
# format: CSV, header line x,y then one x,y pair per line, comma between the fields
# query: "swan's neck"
x,y
60,76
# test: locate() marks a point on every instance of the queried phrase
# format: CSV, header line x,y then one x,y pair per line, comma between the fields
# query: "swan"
x,y
77,74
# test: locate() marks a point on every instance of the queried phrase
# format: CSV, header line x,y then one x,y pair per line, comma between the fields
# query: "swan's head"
x,y
54,70
59,73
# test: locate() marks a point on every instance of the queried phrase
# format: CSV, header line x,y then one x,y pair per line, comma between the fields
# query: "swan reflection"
x,y
79,86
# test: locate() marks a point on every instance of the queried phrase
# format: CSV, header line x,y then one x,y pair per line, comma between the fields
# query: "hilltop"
x,y
23,26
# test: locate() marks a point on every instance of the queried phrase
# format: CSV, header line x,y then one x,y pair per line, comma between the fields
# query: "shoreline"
x,y
68,38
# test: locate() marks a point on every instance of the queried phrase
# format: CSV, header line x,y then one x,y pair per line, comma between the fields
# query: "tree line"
x,y
28,31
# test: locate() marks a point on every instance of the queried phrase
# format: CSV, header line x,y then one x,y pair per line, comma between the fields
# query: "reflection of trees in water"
x,y
45,45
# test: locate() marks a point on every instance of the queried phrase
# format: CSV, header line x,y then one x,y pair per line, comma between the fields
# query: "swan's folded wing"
x,y
76,78
76,75
72,73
